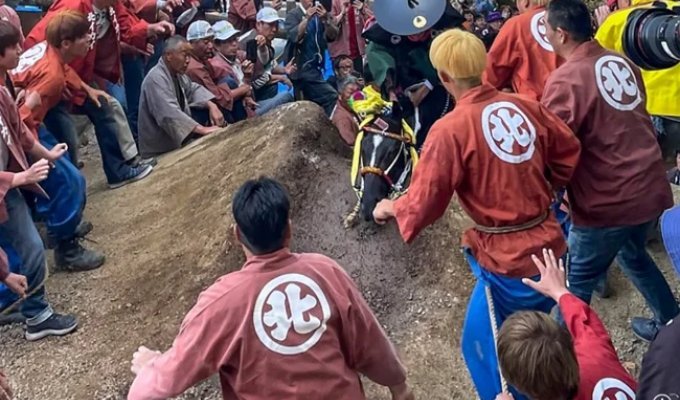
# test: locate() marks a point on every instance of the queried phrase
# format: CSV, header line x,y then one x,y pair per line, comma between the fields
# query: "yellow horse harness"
x,y
408,151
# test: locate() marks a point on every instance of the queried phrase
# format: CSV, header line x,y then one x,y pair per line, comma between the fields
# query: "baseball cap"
x,y
224,30
199,30
670,231
268,14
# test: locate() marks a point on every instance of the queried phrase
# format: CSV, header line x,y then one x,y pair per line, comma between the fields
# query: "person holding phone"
x,y
267,74
309,28
350,17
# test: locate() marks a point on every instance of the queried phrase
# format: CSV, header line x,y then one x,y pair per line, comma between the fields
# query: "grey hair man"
x,y
173,109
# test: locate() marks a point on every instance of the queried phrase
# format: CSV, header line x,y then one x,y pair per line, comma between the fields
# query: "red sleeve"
x,y
562,149
503,57
144,9
369,350
37,34
132,29
4,265
434,181
559,97
221,92
583,323
205,342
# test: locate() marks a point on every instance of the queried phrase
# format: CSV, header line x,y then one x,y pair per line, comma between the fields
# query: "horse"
x,y
384,157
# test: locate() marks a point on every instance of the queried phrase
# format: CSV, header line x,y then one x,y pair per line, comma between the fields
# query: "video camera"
x,y
651,37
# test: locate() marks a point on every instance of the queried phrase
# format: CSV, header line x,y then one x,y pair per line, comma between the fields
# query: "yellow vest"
x,y
663,86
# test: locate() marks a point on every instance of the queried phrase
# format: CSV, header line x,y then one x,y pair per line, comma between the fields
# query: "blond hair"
x,y
458,54
541,3
537,356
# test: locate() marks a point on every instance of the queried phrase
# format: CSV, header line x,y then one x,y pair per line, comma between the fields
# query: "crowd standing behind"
x,y
151,82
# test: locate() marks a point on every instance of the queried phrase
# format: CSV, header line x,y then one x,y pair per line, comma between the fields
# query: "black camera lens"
x,y
651,37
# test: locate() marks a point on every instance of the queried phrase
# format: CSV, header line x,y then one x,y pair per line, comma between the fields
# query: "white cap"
x,y
224,30
199,30
268,14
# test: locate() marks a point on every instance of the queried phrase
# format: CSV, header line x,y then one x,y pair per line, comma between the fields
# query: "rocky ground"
x,y
167,237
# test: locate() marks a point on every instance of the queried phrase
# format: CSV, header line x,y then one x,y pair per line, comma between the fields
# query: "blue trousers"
x,y
66,188
479,349
20,233
592,251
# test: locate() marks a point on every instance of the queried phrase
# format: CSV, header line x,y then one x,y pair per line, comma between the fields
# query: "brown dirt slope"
x,y
167,238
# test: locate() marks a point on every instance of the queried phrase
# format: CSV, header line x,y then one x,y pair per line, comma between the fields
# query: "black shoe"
x,y
56,325
71,256
134,174
645,328
83,228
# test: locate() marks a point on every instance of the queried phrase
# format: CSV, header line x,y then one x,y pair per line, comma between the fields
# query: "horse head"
x,y
382,160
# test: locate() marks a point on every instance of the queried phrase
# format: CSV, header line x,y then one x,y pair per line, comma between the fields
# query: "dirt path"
x,y
167,238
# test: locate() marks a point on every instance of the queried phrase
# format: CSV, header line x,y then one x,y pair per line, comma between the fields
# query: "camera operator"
x,y
662,85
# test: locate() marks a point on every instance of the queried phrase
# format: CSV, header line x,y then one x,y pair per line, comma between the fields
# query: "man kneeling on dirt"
x,y
504,155
172,107
286,326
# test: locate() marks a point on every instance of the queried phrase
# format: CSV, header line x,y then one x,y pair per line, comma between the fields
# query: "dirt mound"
x,y
170,238
167,238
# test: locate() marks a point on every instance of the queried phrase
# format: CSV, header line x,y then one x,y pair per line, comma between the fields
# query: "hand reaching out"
x,y
553,281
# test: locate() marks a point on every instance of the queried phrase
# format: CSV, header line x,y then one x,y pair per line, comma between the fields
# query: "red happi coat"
x,y
125,27
521,57
503,155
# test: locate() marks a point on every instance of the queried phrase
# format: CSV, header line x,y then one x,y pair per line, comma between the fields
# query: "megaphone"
x,y
408,17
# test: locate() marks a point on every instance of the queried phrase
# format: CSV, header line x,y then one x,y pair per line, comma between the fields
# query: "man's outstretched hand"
x,y
553,280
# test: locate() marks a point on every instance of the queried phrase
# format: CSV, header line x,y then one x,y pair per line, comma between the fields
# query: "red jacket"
x,y
493,151
125,26
601,374
285,326
521,56
18,140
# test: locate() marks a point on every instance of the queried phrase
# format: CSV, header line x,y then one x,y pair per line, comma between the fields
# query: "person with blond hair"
x,y
521,57
503,155
547,361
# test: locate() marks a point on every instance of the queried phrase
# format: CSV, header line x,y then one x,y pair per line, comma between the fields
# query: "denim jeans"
x,y
58,121
133,75
267,105
20,232
314,88
105,127
592,251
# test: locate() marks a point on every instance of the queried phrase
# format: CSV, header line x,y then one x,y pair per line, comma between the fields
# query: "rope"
x,y
7,310
494,331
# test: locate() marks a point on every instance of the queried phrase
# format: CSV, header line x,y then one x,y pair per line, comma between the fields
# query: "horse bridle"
x,y
384,173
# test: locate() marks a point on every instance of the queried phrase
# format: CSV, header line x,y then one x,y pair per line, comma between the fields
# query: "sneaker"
x,y
72,257
83,228
138,161
56,325
134,175
645,328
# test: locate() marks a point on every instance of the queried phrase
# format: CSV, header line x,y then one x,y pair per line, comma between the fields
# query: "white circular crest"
x,y
539,30
617,83
612,388
30,57
508,132
290,314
